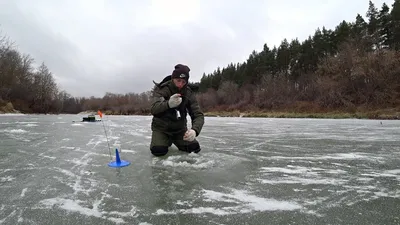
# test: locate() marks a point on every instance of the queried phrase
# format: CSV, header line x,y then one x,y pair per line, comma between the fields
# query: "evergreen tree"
x,y
394,40
268,63
295,49
372,15
384,31
341,34
328,37
283,57
359,28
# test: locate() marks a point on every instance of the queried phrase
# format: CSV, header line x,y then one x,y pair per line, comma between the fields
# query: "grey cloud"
x,y
114,47
132,61
30,37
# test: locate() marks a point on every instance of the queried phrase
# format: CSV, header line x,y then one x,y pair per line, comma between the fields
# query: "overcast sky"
x,y
120,46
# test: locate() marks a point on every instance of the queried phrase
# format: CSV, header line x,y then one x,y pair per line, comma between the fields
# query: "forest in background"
x,y
353,68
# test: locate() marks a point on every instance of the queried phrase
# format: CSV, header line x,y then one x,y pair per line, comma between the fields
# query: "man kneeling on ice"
x,y
173,98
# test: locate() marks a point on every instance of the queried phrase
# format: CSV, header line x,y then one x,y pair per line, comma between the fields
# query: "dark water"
x,y
250,171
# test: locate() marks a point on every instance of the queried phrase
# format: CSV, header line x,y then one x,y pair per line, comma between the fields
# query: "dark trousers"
x,y
161,141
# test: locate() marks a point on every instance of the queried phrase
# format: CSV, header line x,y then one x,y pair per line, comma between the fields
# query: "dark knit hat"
x,y
181,71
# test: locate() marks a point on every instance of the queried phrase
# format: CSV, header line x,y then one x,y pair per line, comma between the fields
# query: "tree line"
x,y
28,89
354,66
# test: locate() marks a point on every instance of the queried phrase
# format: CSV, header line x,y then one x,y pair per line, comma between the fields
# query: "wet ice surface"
x,y
250,171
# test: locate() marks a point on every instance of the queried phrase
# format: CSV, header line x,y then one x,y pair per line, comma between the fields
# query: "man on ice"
x,y
173,98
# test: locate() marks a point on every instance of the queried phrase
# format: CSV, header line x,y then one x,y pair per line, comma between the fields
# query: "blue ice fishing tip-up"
x,y
118,162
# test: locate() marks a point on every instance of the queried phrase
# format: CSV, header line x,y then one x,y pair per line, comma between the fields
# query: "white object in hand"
x,y
178,114
174,100
189,135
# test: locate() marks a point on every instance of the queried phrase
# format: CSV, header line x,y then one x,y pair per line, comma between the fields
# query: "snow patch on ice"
x,y
15,131
191,160
236,202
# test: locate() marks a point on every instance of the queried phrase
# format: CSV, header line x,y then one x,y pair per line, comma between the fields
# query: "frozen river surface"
x,y
250,171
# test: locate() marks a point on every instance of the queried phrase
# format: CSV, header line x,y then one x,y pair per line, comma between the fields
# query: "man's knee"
x,y
159,150
193,147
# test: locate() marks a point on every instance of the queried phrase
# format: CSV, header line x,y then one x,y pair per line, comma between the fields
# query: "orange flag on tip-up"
x,y
100,114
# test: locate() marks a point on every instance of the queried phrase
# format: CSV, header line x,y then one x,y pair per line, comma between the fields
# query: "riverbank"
x,y
8,108
381,114
391,114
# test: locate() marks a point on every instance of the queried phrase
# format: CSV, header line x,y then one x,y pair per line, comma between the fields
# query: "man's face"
x,y
179,82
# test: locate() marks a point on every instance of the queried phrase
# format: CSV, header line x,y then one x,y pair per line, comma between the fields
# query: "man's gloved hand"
x,y
174,100
189,135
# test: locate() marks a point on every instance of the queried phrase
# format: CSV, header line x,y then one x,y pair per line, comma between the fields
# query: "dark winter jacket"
x,y
165,119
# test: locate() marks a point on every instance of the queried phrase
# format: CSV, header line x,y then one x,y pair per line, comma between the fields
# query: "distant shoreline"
x,y
382,114
327,115
387,114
